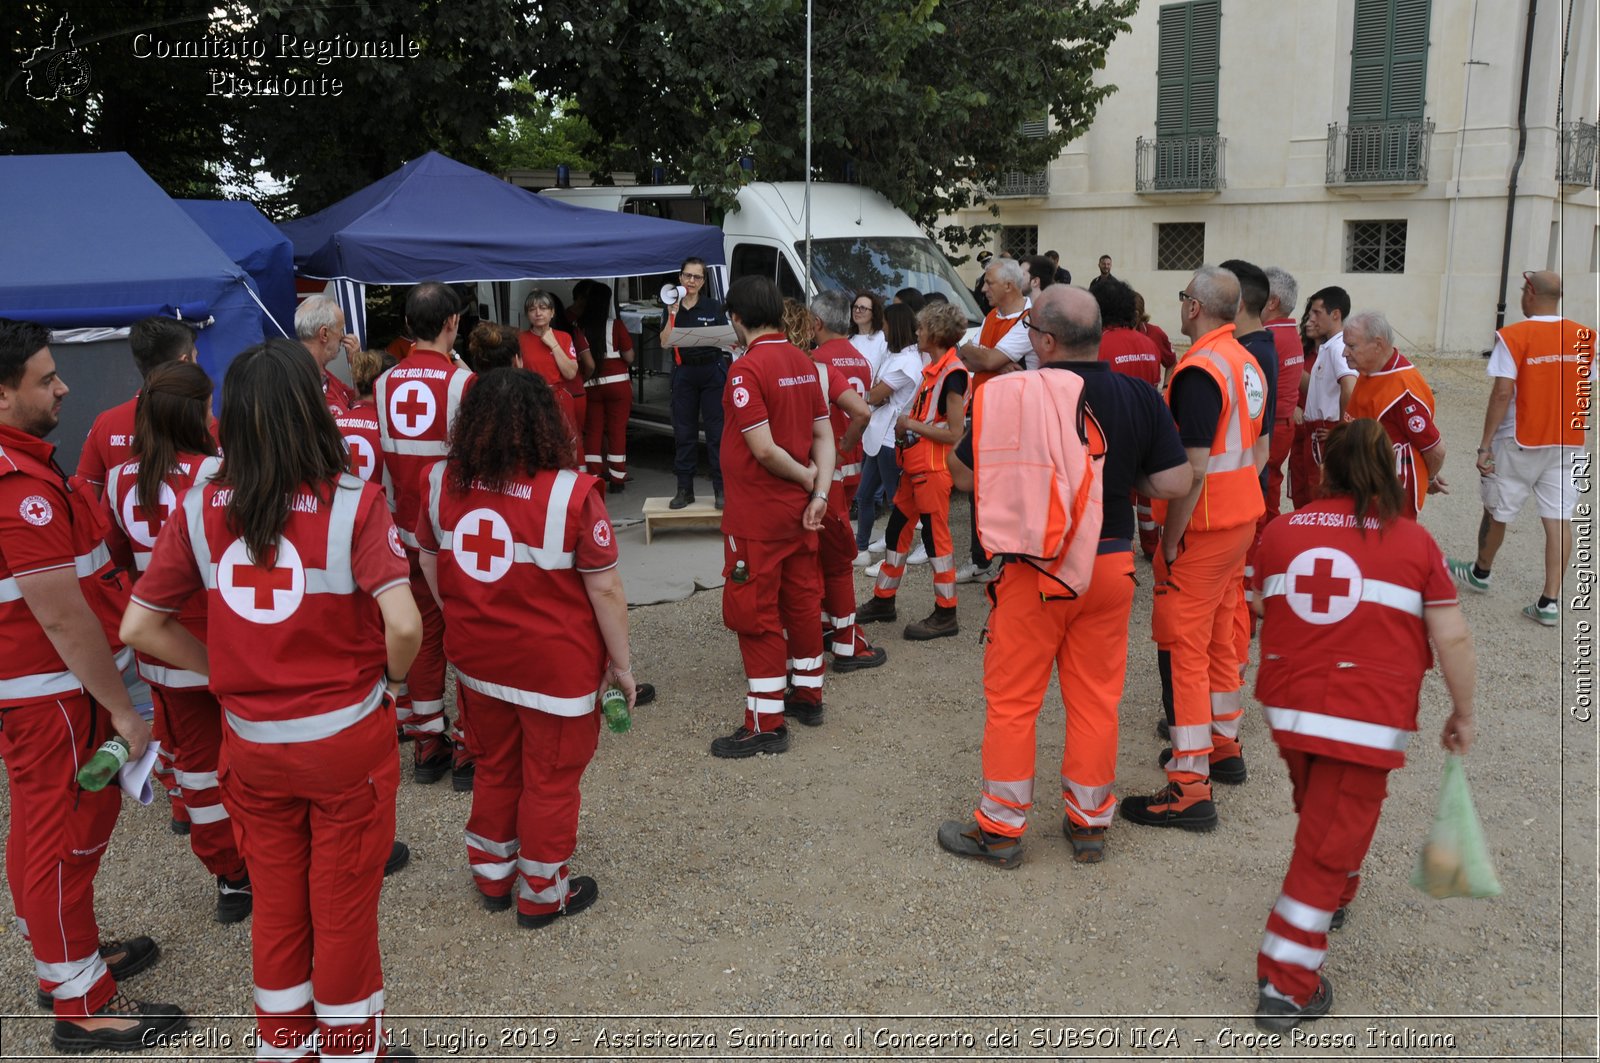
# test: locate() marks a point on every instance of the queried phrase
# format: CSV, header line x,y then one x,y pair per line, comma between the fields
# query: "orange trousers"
x,y
925,495
1195,625
1086,639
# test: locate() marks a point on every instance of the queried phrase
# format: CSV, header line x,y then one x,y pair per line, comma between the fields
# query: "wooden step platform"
x,y
658,513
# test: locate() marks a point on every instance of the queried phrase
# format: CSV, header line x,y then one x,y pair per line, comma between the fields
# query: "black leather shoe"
x,y
495,904
399,856
178,826
870,657
807,712
154,1021
681,499
718,499
135,955
747,743
234,900
1280,1016
581,894
644,694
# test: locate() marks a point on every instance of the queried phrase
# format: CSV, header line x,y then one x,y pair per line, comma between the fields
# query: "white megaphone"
x,y
671,293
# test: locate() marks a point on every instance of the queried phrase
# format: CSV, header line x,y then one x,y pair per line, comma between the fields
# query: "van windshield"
x,y
885,264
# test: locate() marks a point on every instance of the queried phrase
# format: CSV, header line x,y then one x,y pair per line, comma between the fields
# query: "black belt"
x,y
1114,546
699,359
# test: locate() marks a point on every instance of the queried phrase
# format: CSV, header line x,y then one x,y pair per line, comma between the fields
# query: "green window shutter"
x,y
1188,59
1172,70
1205,61
1389,60
1369,62
1408,59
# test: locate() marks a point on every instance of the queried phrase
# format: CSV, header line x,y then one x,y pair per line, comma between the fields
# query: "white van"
x,y
859,241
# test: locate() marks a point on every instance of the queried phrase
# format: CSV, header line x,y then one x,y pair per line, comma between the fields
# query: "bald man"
x,y
1533,437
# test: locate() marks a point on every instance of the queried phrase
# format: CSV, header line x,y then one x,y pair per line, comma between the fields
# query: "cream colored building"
x,y
1364,143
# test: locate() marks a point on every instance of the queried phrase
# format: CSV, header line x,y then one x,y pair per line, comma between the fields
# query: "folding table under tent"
x,y
92,245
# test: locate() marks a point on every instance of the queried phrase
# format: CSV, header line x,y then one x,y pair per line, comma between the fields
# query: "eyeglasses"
x,y
1184,296
1040,331
862,309
692,276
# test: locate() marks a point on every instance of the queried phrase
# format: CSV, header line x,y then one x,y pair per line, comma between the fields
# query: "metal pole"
x,y
807,207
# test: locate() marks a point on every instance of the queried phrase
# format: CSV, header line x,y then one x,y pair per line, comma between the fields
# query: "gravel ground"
x,y
803,897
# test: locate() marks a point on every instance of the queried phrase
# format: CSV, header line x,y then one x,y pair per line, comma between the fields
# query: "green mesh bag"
x,y
1454,861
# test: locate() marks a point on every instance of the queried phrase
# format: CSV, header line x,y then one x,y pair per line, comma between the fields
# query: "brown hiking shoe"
x,y
875,610
942,624
971,840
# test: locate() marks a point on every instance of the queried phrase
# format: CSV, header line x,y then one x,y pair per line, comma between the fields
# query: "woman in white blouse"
x,y
894,384
866,330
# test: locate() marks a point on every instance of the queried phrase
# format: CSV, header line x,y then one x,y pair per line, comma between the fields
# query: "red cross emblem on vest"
x,y
483,545
265,593
411,408
1323,585
144,522
361,458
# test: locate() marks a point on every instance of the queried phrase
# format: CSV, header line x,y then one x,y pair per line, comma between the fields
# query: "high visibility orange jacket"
x,y
994,329
1398,398
925,455
1231,494
1038,463
1554,361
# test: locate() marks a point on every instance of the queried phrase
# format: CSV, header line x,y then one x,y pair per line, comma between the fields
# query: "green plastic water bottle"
x,y
740,573
614,707
105,763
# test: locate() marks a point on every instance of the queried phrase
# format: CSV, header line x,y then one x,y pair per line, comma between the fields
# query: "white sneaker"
x,y
863,559
874,568
919,555
878,546
971,573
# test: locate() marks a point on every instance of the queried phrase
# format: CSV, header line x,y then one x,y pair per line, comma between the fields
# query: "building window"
x,y
1389,60
1181,245
1188,54
1375,247
1019,241
1027,182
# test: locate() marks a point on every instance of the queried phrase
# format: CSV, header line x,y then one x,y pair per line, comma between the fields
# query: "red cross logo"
x,y
144,522
265,593
412,408
360,456
484,536
1323,585
265,582
36,511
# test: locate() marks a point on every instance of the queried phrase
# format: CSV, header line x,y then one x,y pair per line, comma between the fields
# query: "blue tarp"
x,y
437,219
256,245
92,240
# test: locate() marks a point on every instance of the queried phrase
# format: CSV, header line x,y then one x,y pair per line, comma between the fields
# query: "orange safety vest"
x,y
925,455
1231,494
1554,360
1372,397
995,328
1038,460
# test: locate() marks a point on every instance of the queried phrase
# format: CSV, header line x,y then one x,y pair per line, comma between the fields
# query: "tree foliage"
x,y
541,133
922,100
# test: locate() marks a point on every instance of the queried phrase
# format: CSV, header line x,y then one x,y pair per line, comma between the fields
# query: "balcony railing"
x,y
1018,183
1189,163
1578,143
1394,151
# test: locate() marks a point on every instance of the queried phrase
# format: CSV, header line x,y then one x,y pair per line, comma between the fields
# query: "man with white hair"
x,y
1002,347
319,324
1391,391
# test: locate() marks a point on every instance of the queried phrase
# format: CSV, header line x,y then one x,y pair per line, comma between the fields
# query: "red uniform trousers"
x,y
836,554
165,769
524,820
1338,803
1149,530
1284,434
194,722
421,708
1194,622
1305,471
315,821
605,430
1086,639
580,420
774,612
924,494
58,834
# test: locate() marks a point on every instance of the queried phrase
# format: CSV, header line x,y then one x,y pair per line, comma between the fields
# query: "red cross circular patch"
x,y
36,510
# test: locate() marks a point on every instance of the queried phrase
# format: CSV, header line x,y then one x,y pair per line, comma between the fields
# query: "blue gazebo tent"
x,y
256,245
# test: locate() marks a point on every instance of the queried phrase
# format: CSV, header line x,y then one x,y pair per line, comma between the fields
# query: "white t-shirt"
x,y
1322,387
873,347
1015,344
902,371
1501,364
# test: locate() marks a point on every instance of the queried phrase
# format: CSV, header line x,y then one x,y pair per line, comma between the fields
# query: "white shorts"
x,y
1546,472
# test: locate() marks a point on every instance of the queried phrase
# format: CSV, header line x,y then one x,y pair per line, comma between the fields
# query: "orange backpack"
x,y
1039,455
